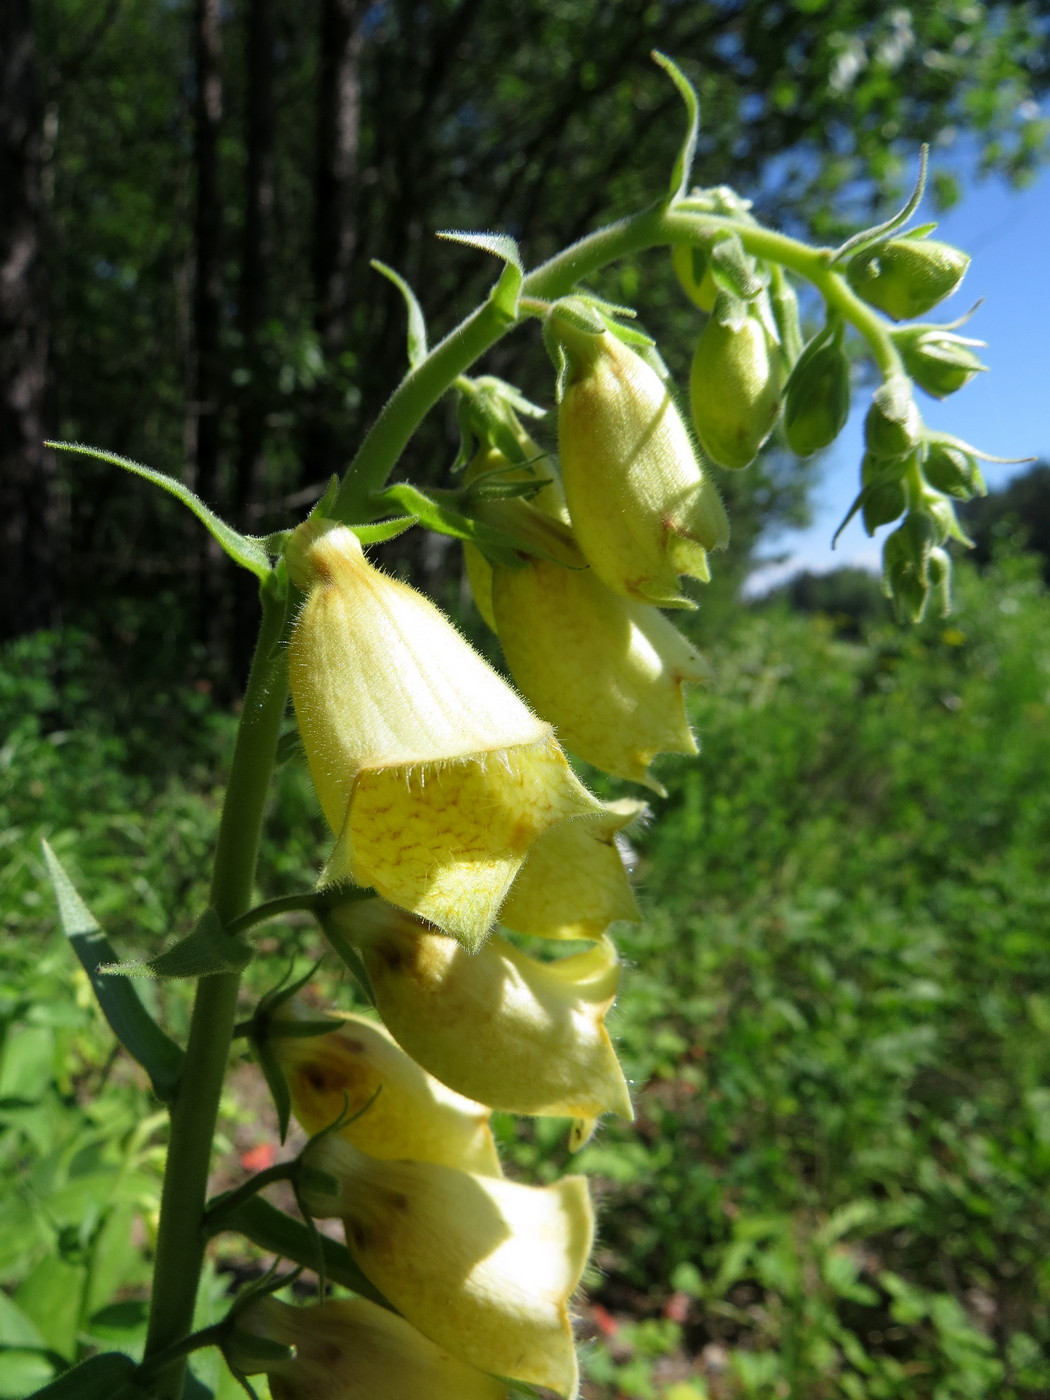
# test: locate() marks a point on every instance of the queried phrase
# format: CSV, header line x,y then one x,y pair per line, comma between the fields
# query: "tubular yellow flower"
x,y
412,1115
605,670
482,1266
642,506
350,1349
574,884
506,1029
435,777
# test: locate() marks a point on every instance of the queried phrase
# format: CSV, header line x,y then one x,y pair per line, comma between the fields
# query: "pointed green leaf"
x,y
245,550
109,1376
872,235
417,326
128,1019
504,296
684,160
208,950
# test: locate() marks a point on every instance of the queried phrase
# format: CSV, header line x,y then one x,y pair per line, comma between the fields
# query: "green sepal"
x,y
247,550
278,1233
128,1019
208,950
384,529
441,512
504,295
108,1376
683,164
487,412
349,955
262,1030
416,334
735,271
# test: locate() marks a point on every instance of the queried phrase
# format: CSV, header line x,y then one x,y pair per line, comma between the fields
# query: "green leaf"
x,y
128,1019
350,956
684,160
109,1376
504,295
872,235
208,950
246,550
417,326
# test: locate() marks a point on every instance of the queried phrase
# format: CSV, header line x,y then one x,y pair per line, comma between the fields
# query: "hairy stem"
x,y
423,386
180,1237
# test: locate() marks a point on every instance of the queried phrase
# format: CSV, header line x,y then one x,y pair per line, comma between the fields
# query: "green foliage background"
x,y
835,1016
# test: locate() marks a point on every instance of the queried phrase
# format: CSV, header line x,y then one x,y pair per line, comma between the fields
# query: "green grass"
x,y
836,1015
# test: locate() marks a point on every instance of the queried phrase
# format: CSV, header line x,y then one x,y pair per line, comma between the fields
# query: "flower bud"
x,y
938,361
905,561
893,425
508,1030
950,468
906,277
643,508
606,671
574,884
393,1107
735,383
816,398
692,265
349,1349
884,497
482,1266
435,777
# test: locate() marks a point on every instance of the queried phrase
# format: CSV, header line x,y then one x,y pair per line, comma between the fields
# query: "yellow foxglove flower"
x,y
574,884
350,1349
607,671
643,508
482,1266
411,1115
435,777
506,1029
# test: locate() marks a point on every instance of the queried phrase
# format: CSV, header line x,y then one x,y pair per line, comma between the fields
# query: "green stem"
x,y
423,386
180,1237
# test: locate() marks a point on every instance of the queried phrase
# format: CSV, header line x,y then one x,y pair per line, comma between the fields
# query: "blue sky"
x,y
1005,412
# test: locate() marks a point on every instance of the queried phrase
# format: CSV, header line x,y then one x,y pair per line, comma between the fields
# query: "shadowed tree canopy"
x,y
213,181
1020,509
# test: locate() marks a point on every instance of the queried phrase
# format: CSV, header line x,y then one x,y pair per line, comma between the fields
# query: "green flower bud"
x,y
906,277
938,361
816,399
905,566
692,265
893,426
735,383
884,497
939,574
950,468
644,509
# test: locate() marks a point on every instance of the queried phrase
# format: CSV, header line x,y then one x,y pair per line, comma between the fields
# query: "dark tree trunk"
x,y
256,277
207,301
207,286
335,219
28,510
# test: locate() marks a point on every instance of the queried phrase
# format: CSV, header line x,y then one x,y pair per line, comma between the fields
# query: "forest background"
x,y
843,1190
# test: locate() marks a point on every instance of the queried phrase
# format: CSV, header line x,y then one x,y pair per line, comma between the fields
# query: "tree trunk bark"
x,y
335,221
207,305
256,276
28,498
